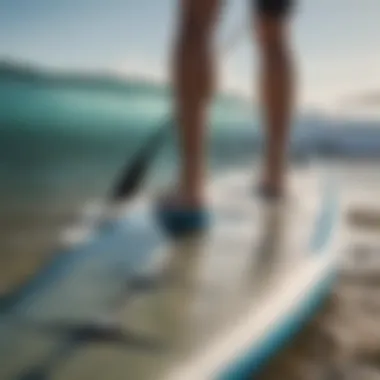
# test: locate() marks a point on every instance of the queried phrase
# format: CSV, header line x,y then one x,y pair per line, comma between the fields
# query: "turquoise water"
x,y
73,139
63,137
66,135
55,107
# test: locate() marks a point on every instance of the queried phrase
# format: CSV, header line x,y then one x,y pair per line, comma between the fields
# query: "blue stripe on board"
x,y
255,359
326,220
62,262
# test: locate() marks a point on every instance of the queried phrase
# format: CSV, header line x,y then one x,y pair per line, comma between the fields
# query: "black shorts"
x,y
276,8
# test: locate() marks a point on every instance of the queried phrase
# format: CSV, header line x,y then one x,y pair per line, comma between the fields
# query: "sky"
x,y
336,42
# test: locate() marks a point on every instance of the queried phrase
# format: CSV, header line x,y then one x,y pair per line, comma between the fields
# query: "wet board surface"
x,y
130,304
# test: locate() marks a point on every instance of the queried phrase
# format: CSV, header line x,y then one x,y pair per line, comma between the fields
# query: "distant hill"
x,y
8,69
103,81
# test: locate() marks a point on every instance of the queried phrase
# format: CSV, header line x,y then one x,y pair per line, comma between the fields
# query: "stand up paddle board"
x,y
131,304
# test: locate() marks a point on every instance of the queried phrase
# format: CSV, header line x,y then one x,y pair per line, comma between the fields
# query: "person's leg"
x,y
184,212
272,21
193,87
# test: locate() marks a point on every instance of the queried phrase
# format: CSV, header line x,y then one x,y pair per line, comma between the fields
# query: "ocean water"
x,y
61,134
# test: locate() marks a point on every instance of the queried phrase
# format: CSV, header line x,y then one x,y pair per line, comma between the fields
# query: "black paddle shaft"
x,y
134,173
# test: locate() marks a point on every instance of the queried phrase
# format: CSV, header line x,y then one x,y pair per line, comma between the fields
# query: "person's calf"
x,y
277,97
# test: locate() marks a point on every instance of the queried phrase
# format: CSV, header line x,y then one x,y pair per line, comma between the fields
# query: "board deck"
x,y
130,304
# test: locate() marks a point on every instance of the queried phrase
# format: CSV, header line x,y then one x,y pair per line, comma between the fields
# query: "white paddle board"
x,y
211,306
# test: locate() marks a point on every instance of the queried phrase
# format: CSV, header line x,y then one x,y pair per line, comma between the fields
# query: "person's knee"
x,y
193,34
273,40
275,51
